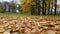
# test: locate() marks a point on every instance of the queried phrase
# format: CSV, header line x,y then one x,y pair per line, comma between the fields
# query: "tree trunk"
x,y
52,7
55,7
43,12
49,8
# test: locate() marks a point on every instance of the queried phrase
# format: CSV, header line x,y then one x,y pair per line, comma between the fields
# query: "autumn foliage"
x,y
26,5
29,24
39,6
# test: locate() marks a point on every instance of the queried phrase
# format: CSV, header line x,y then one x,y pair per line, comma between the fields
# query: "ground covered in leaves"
x,y
29,24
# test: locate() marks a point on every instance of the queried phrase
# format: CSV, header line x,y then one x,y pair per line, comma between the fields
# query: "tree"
x,y
43,12
6,4
49,7
38,6
12,7
55,7
26,5
2,8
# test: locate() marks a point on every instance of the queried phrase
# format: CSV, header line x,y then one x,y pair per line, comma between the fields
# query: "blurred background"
x,y
33,7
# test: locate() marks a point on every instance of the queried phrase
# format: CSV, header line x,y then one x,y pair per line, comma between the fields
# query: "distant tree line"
x,y
44,7
34,7
8,7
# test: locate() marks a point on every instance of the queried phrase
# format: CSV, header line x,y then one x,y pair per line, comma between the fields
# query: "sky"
x,y
5,0
58,2
17,1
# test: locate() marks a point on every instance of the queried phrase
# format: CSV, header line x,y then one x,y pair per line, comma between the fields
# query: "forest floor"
x,y
27,24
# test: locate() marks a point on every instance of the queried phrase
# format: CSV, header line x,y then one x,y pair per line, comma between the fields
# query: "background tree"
x,y
39,6
2,8
26,5
55,7
12,7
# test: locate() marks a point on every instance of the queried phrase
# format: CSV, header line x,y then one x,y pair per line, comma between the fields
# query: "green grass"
x,y
15,14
